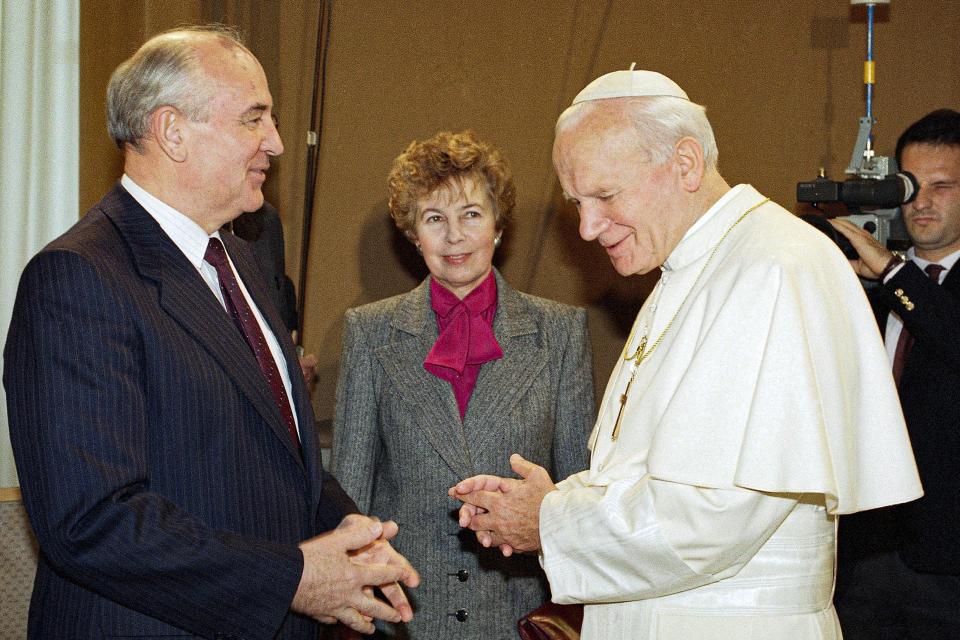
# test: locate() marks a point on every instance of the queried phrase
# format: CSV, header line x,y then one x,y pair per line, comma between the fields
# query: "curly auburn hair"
x,y
440,162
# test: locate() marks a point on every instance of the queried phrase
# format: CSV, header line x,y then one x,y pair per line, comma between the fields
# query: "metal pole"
x,y
313,153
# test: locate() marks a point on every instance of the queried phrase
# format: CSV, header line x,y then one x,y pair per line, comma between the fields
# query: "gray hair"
x,y
659,122
164,71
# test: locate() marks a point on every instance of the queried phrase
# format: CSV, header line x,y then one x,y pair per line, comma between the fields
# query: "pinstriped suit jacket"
x,y
399,444
159,478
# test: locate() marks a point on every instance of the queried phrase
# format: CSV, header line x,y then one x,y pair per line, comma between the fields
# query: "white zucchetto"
x,y
630,84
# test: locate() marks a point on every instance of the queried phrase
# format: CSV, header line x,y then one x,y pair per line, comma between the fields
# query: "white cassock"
x,y
767,409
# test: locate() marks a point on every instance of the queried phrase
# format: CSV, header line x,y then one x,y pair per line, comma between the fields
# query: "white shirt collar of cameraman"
x,y
947,262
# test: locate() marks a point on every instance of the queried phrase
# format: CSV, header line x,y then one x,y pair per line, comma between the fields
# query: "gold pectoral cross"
x,y
636,359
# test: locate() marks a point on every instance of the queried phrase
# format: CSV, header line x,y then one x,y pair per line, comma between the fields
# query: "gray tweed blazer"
x,y
399,444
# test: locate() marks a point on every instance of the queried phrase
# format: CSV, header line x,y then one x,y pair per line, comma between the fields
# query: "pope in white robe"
x,y
752,405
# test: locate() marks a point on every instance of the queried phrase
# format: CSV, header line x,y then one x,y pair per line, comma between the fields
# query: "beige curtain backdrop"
x,y
38,150
782,81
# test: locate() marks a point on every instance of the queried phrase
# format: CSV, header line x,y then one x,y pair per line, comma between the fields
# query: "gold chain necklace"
x,y
641,353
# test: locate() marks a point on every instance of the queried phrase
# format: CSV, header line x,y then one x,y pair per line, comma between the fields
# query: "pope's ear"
x,y
167,127
689,157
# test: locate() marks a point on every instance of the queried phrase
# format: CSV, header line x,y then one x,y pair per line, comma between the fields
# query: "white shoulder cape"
x,y
773,376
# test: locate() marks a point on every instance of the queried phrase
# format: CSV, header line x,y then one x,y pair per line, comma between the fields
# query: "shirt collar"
x,y
186,234
443,301
946,262
712,211
704,233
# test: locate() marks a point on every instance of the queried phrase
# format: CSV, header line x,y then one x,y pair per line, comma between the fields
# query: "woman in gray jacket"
x,y
447,380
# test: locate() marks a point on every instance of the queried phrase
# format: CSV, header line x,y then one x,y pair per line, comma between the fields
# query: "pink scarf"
x,y
466,338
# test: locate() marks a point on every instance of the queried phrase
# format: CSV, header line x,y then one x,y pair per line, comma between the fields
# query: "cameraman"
x,y
899,567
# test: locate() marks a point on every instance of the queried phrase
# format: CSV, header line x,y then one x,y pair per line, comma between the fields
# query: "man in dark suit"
x,y
164,440
899,568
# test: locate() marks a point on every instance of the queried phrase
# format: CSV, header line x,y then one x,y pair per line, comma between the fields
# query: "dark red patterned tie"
x,y
905,342
245,320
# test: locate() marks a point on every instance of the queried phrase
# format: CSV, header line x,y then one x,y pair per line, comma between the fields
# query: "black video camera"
x,y
876,193
873,204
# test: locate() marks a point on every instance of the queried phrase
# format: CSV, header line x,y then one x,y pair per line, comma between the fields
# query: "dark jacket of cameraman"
x,y
925,532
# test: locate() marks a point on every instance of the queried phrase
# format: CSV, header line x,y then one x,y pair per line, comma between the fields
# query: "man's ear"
x,y
167,127
689,157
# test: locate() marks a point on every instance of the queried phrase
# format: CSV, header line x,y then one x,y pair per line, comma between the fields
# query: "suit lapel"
x,y
501,383
430,399
188,300
952,281
504,382
250,273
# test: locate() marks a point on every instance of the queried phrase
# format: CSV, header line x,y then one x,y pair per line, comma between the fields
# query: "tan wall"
x,y
110,31
782,81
